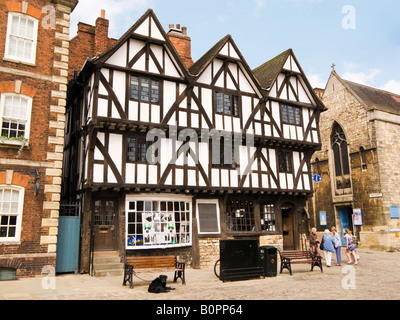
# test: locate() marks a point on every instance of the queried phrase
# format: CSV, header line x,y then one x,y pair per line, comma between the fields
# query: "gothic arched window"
x,y
341,158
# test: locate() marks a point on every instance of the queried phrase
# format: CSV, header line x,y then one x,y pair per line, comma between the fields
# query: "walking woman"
x,y
350,247
328,247
338,246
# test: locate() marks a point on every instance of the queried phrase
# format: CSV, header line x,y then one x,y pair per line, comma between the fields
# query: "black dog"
x,y
159,285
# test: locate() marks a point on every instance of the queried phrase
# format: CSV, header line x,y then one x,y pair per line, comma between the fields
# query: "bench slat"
x,y
153,262
298,257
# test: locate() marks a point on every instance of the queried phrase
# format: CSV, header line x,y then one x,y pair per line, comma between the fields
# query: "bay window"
x,y
158,223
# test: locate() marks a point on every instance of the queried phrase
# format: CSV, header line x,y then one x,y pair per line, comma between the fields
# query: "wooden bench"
x,y
296,257
154,262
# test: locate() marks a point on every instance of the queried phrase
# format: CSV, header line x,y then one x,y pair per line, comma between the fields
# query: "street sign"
x,y
317,178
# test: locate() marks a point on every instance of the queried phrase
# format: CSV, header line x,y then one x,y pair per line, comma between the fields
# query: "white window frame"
x,y
208,201
3,97
149,197
7,55
19,214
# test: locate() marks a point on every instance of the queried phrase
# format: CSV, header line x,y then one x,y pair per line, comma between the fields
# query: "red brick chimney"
x,y
101,40
182,43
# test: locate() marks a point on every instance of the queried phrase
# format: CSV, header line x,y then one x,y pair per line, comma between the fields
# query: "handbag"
x,y
321,246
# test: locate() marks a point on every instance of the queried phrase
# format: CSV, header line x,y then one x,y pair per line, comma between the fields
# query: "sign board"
x,y
357,217
322,218
317,178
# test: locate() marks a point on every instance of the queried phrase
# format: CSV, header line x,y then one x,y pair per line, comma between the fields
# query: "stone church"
x,y
357,164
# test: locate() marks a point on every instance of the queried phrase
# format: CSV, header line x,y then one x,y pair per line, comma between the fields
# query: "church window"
x,y
341,158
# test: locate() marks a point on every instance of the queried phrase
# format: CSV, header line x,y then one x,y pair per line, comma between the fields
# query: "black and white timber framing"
x,y
274,104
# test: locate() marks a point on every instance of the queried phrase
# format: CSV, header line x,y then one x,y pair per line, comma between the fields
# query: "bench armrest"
x,y
180,265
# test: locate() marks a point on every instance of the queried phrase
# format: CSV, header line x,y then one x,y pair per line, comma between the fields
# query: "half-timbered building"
x,y
169,156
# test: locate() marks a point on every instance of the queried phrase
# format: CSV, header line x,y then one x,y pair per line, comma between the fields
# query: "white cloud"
x,y
316,80
362,77
118,12
392,86
259,5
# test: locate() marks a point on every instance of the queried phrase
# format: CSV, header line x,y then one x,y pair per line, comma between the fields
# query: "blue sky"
x,y
362,37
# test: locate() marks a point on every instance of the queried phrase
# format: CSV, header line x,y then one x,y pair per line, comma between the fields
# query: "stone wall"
x,y
372,138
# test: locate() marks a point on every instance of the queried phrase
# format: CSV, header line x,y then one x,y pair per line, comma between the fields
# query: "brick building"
x,y
358,163
34,49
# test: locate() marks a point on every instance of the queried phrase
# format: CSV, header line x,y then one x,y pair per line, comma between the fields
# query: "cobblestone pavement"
x,y
376,277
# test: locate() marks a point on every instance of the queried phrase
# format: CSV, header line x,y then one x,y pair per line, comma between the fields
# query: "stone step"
x,y
108,273
107,264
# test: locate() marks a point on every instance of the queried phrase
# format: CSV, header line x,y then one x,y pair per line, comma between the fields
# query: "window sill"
x,y
13,143
28,63
10,243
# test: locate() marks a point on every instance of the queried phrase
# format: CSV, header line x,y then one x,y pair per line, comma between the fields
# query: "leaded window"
x,y
291,115
341,160
226,104
268,219
153,223
145,90
285,162
240,216
137,149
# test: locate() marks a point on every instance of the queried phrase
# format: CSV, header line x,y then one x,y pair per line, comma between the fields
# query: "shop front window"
x,y
240,216
158,223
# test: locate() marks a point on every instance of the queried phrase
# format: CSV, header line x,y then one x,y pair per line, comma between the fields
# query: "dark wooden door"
x,y
287,229
104,225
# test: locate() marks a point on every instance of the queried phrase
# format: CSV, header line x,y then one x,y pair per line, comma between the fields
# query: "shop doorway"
x,y
288,228
104,225
346,221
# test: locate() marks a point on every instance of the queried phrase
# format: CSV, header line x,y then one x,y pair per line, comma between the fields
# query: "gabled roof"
x,y
371,98
203,62
269,71
376,98
200,65
149,13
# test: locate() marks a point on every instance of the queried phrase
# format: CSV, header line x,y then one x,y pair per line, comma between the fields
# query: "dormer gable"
x,y
284,79
145,47
224,66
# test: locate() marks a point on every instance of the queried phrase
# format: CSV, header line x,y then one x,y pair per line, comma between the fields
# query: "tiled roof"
x,y
376,98
267,73
200,64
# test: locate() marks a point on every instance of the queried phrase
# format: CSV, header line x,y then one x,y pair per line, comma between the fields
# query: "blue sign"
x,y
317,178
357,217
322,218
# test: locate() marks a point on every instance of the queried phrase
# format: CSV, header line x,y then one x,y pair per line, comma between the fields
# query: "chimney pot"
x,y
178,26
103,14
184,31
171,26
